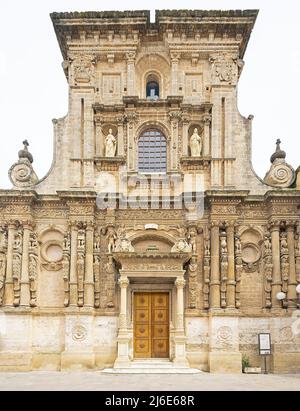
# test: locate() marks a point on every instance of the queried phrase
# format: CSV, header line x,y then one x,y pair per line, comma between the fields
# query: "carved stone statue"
x,y
181,247
196,144
110,144
111,239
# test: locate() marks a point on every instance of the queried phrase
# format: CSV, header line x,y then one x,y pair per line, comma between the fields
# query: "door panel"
x,y
160,325
142,325
151,325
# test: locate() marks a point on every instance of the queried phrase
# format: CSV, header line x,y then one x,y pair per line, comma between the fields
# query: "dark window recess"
x,y
152,90
152,152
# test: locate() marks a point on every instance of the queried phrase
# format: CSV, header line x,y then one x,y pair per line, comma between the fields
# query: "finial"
x,y
24,153
25,144
278,142
279,154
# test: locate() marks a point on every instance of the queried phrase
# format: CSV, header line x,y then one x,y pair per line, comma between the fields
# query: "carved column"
x,y
123,337
224,268
174,73
180,338
292,260
185,136
276,285
206,142
297,254
89,276
8,292
80,264
99,138
17,265
66,268
215,267
238,270
231,269
120,146
174,119
130,73
180,284
3,253
131,119
206,269
268,270
25,287
284,264
33,269
96,270
73,265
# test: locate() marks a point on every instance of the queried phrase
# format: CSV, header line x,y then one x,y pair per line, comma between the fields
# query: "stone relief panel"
x,y
111,86
193,86
51,284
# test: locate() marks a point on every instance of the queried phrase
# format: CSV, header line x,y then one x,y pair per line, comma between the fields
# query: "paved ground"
x,y
95,381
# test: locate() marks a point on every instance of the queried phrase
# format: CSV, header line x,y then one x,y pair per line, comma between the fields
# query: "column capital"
x,y
175,57
123,282
180,282
130,56
274,225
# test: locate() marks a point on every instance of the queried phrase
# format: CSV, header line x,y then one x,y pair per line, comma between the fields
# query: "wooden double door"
x,y
151,325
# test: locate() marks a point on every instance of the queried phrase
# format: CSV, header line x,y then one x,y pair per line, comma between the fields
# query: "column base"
x,y
180,359
123,358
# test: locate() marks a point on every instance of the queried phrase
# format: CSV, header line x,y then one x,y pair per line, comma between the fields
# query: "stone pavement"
x,y
96,381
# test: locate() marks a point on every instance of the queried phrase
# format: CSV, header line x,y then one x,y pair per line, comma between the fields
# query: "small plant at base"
x,y
245,362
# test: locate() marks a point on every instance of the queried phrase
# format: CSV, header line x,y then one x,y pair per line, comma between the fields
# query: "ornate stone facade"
x,y
216,240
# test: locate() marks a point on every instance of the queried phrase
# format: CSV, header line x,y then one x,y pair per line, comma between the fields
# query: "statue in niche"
x,y
196,144
110,144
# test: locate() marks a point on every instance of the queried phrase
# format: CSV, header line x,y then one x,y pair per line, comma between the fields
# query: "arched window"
x,y
152,87
152,152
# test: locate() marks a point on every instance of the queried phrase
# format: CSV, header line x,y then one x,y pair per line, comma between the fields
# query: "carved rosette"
x,y
3,251
268,269
33,268
238,270
280,174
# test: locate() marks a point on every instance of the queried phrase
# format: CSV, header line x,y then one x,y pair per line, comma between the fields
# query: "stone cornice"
x,y
236,25
17,196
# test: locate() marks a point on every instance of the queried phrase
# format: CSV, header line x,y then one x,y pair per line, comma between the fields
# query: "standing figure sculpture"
x,y
196,144
110,144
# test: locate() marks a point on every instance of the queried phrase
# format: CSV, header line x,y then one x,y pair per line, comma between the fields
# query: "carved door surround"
x,y
157,273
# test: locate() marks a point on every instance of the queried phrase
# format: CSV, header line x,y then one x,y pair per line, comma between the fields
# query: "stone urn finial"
x,y
281,174
279,154
21,174
24,153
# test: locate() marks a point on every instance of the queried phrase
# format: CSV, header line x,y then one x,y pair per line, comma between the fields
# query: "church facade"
x,y
151,237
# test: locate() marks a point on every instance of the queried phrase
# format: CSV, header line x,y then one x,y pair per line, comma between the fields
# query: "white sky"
x,y
34,88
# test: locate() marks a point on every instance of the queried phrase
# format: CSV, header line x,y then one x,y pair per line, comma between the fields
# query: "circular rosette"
x,y
280,175
22,175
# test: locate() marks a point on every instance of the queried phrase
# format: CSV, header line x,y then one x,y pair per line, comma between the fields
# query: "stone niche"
x,y
51,284
252,277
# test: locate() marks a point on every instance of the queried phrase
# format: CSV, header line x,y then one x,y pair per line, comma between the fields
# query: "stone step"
x,y
153,370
